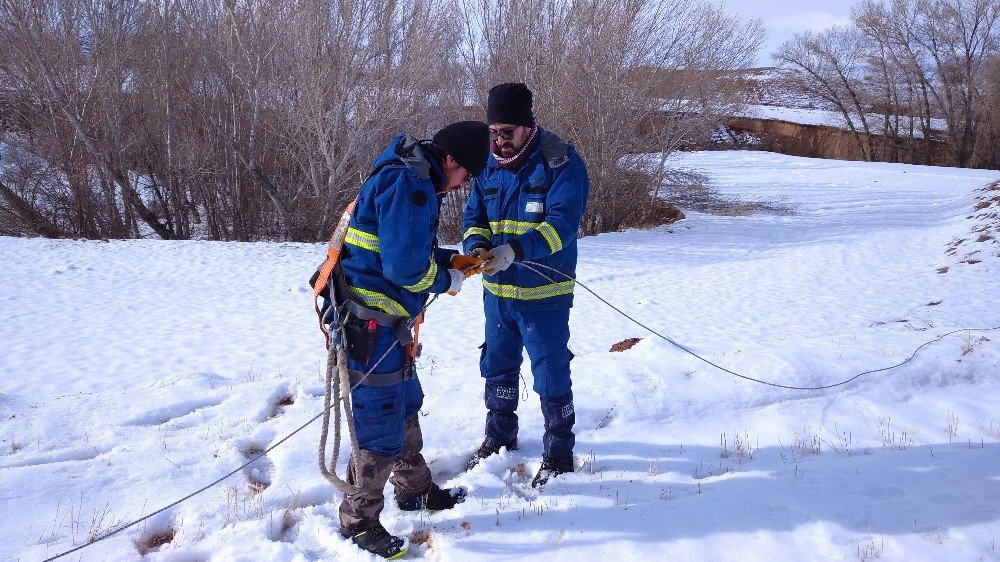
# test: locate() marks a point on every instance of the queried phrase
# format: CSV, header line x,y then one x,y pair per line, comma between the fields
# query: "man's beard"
x,y
507,149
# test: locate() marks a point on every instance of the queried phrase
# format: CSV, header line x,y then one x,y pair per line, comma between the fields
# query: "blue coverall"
x,y
391,262
537,209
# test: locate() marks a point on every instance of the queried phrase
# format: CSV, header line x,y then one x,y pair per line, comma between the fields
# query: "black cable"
x,y
529,264
187,497
246,464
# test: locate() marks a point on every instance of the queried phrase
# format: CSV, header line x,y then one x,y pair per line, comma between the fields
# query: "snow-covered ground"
x,y
828,118
134,372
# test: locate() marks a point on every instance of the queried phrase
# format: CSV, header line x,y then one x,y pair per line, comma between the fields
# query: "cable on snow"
x,y
531,266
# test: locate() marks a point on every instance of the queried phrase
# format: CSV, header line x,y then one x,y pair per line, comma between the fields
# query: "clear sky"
x,y
784,18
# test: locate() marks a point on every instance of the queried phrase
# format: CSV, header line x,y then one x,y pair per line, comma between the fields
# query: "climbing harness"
x,y
336,360
350,329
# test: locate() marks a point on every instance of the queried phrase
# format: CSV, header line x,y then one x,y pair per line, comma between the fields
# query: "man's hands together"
x,y
498,259
478,261
463,267
469,264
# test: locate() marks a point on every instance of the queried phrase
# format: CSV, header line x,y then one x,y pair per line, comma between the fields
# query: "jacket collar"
x,y
529,155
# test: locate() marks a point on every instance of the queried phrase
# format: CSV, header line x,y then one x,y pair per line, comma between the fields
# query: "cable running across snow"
x,y
529,264
241,467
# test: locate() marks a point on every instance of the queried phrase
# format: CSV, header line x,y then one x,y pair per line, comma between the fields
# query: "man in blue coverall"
x,y
391,263
526,206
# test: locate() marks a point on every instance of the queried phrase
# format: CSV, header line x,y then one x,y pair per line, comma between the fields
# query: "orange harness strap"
x,y
413,349
332,257
333,249
326,270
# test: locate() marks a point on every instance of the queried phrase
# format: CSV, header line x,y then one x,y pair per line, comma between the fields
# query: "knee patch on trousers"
x,y
559,420
501,396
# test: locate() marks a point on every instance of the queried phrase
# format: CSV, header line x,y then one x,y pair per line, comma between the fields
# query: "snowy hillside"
x,y
136,372
828,118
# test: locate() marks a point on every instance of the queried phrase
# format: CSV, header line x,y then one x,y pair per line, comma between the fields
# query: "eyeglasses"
x,y
505,134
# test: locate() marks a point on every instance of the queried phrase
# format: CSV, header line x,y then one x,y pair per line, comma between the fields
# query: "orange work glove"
x,y
469,265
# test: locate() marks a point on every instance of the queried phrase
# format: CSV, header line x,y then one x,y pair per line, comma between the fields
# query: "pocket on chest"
x,y
533,198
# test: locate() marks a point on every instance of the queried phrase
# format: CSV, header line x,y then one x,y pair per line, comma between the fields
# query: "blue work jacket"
x,y
391,259
537,208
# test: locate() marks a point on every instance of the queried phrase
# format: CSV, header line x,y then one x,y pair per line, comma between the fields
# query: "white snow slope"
x,y
135,372
828,118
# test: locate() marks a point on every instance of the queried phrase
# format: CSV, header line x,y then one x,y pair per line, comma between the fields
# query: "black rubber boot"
x,y
487,449
501,413
551,467
560,417
434,499
379,542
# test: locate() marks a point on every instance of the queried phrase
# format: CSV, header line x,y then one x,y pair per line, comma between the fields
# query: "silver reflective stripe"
x,y
508,226
380,301
477,231
362,239
551,236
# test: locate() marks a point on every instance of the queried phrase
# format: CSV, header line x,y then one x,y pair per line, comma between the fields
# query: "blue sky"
x,y
784,18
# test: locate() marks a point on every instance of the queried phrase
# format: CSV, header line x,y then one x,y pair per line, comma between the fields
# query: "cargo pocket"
x,y
482,360
378,418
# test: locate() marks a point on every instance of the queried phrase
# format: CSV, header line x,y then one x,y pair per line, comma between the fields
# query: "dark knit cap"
x,y
468,142
511,104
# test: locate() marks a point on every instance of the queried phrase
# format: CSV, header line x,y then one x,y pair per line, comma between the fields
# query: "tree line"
x,y
258,119
915,80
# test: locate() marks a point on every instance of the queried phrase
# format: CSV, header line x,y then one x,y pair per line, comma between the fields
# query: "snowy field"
x,y
827,118
135,372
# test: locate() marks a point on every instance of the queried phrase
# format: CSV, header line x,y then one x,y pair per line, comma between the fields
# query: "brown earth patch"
x,y
625,344
146,543
422,537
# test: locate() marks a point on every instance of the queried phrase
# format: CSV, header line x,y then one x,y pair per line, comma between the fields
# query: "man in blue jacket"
x,y
391,263
527,206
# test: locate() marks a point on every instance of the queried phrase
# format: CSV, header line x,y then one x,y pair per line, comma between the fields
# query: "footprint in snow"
x,y
279,404
257,473
164,414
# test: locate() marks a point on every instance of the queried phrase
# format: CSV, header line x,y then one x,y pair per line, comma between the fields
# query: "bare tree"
x,y
987,148
74,57
940,48
258,119
829,67
366,72
616,77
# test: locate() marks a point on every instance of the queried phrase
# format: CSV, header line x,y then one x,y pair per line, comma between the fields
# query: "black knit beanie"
x,y
510,104
468,142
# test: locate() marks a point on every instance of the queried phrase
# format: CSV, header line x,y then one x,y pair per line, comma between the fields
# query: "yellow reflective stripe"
x,y
508,226
362,239
551,236
521,227
477,231
529,293
426,281
380,301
